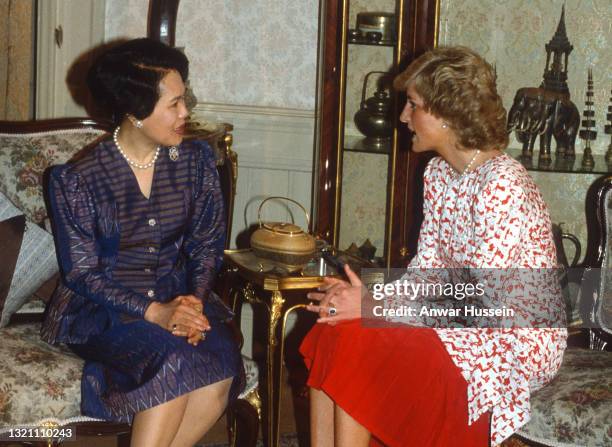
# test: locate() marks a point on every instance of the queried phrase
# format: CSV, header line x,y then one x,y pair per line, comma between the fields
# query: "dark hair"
x,y
125,79
458,86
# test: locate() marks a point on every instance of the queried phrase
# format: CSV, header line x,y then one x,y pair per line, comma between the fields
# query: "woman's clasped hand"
x,y
182,316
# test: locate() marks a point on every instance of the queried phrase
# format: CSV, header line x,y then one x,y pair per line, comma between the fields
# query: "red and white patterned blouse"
x,y
492,217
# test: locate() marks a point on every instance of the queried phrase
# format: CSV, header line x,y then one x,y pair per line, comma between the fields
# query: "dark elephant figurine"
x,y
517,117
549,119
529,117
565,128
547,114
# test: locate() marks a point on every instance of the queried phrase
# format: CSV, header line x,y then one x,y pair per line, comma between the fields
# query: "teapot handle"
x,y
573,239
365,85
283,198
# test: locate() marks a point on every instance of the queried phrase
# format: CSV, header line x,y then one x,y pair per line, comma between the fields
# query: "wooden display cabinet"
x,y
398,173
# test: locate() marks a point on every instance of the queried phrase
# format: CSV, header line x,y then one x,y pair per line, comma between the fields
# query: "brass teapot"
x,y
374,117
283,243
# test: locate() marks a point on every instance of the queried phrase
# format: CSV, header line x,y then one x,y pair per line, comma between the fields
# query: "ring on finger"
x,y
332,311
174,326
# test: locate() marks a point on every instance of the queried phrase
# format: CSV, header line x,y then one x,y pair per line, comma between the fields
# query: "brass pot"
x,y
378,22
374,118
283,243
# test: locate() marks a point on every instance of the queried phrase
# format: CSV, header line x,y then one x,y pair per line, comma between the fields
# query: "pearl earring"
x,y
138,124
444,126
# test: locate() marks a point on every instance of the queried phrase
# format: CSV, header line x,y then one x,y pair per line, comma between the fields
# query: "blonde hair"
x,y
458,86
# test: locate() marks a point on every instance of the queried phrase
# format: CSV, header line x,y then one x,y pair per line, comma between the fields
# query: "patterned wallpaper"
x,y
564,194
512,34
125,18
257,52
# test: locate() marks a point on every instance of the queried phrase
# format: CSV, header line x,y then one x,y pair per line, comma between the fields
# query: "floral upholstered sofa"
x,y
40,383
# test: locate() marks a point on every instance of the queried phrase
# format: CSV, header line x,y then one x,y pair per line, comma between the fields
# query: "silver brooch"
x,y
173,153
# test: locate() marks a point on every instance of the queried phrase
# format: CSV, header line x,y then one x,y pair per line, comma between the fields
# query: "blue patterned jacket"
x,y
118,250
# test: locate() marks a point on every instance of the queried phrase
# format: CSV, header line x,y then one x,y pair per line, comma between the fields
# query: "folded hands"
x,y
183,316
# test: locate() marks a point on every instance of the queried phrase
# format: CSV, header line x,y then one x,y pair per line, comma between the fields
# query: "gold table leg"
x,y
274,368
275,365
276,313
278,369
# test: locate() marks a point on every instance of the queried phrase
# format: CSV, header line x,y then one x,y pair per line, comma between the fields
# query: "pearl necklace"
x,y
469,165
128,159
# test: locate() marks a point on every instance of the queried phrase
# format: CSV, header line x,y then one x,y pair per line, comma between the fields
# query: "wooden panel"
x,y
4,56
161,23
327,170
420,24
264,183
300,189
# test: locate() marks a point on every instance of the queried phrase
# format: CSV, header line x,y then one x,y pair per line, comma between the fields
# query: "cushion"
x,y
11,234
575,408
24,158
36,262
39,382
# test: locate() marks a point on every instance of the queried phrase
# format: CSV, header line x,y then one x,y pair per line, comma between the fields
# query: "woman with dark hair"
x,y
140,229
408,385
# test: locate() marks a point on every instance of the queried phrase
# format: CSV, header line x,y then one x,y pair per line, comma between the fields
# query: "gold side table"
x,y
261,286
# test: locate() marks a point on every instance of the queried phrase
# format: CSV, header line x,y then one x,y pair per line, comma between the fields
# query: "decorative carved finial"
x,y
588,133
608,130
555,73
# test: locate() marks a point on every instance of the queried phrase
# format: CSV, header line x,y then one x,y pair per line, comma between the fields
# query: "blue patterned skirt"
x,y
137,365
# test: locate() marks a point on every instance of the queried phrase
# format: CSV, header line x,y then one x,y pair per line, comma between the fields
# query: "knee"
x,y
219,392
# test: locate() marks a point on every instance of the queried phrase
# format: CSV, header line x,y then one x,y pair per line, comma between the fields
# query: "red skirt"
x,y
398,382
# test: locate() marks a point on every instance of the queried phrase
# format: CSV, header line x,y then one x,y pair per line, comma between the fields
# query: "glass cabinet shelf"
x,y
365,41
562,164
362,144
